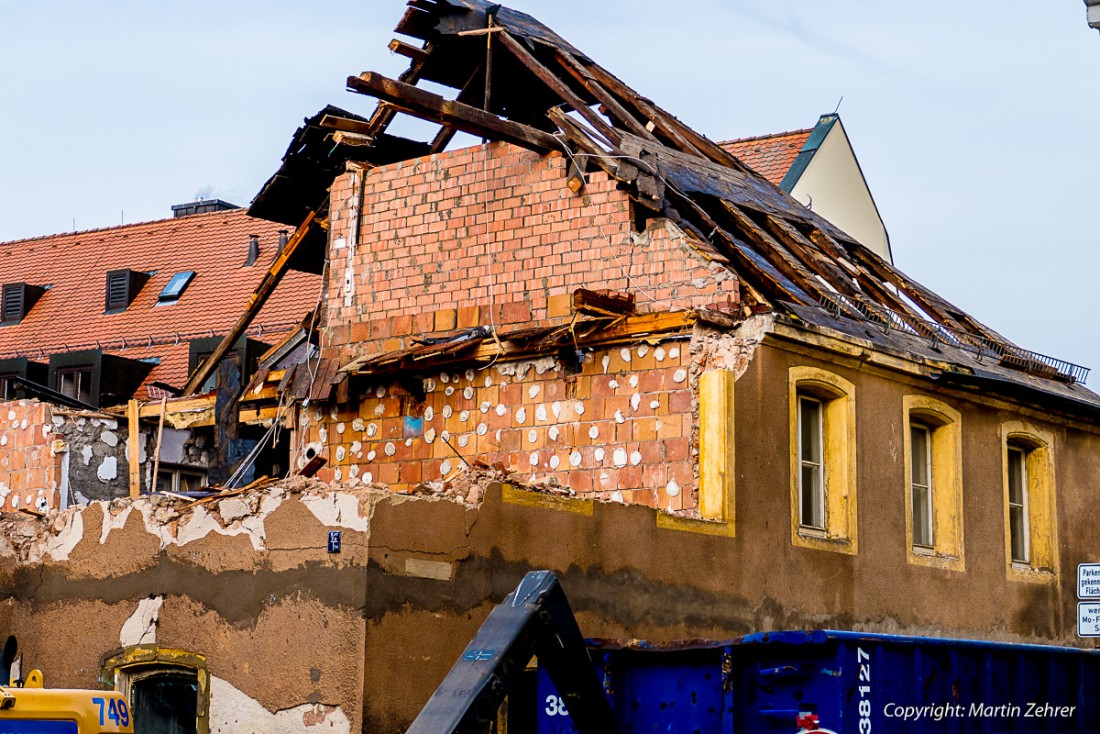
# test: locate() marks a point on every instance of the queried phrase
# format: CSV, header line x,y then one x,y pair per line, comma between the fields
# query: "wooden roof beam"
x,y
429,106
685,138
259,297
558,86
613,107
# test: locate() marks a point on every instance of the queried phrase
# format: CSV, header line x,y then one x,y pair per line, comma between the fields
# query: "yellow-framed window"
x,y
822,460
933,465
1030,512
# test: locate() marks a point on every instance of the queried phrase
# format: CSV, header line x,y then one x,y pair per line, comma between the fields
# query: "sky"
x,y
975,123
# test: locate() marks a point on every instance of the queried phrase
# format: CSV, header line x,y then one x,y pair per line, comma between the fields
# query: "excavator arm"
x,y
534,620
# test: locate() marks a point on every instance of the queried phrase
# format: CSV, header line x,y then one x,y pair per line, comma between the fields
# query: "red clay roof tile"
x,y
769,155
70,317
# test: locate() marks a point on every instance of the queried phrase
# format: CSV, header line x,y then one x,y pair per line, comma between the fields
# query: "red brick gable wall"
x,y
492,235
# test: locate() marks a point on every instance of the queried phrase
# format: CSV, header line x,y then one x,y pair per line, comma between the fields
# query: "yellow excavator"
x,y
27,707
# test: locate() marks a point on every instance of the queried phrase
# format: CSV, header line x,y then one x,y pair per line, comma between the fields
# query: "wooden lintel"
x,y
259,297
429,106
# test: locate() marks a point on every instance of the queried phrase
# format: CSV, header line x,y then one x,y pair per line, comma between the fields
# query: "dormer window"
x,y
122,287
17,300
175,287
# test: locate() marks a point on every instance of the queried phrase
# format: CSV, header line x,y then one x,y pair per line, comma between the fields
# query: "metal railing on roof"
x,y
936,333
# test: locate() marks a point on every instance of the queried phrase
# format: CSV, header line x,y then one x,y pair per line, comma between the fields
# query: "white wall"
x,y
833,186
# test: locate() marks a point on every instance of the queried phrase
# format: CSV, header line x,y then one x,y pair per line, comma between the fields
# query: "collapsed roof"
x,y
519,82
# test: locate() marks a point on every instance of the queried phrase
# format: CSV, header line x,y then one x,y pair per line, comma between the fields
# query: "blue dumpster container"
x,y
854,683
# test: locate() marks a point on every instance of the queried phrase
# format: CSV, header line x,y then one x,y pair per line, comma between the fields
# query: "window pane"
x,y
1016,476
922,516
919,448
810,430
812,497
1018,527
920,482
810,452
165,704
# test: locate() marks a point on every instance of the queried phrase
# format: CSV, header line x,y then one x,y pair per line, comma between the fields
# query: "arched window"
x,y
168,690
823,460
933,499
1030,520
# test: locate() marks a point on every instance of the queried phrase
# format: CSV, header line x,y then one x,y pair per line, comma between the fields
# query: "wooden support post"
x,y
133,408
160,434
255,303
716,445
428,106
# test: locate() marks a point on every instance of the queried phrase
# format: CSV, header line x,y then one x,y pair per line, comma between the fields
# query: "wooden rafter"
x,y
429,106
256,302
558,86
614,108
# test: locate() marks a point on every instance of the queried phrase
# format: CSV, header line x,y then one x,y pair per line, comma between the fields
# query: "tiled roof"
x,y
70,315
769,155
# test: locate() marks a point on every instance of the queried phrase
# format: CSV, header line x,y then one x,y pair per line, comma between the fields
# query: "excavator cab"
x,y
27,707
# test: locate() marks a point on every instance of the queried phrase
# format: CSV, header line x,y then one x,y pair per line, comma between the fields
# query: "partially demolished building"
x,y
600,344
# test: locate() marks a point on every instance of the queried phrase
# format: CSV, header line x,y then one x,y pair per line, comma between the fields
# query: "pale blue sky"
x,y
975,122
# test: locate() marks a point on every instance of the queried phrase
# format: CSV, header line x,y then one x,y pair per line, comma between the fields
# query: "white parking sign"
x,y
1088,619
1088,581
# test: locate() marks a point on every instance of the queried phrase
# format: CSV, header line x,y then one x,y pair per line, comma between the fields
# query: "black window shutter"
x,y
122,287
14,302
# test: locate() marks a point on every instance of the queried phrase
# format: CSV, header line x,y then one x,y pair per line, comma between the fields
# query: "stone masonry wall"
x,y
491,235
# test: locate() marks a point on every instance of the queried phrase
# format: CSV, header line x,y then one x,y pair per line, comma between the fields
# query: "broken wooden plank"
x,y
313,466
429,106
746,262
559,87
580,139
354,139
259,297
771,250
408,50
604,303
346,124
803,249
719,319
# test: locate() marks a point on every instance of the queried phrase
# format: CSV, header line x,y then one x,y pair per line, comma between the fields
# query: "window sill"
x,y
922,556
817,539
1029,574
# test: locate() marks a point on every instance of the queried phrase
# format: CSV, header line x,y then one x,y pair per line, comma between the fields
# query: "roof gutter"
x,y
989,383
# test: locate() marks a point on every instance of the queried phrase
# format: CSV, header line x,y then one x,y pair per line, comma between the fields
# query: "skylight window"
x,y
176,286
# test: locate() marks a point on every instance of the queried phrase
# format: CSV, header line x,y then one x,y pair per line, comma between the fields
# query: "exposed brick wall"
x,y
619,429
492,235
30,468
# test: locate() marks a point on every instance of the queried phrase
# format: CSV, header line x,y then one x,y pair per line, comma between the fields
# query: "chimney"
x,y
282,239
253,249
202,206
